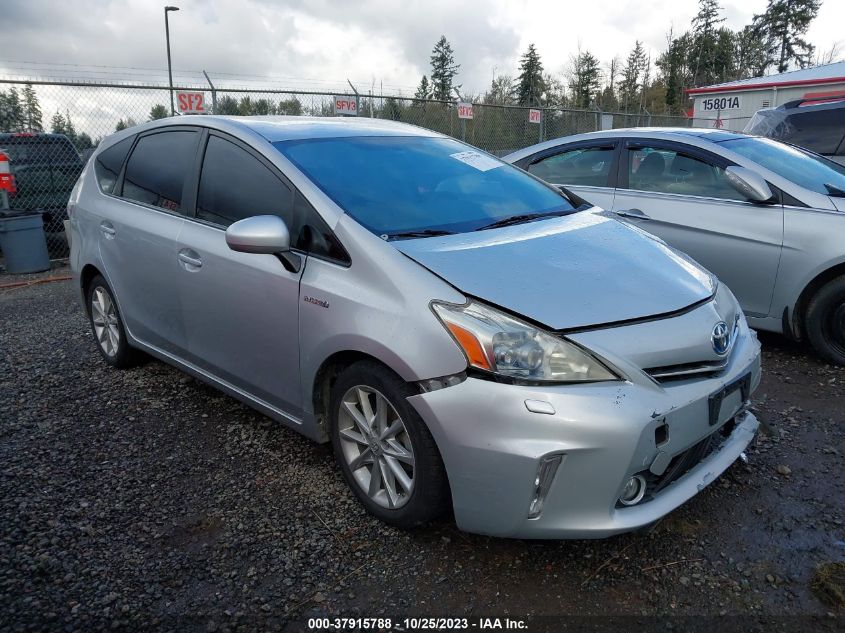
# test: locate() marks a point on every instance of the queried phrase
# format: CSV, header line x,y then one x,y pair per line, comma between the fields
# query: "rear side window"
x,y
108,163
818,130
235,185
582,166
158,167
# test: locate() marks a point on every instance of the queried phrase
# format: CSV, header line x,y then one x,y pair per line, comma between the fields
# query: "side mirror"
x,y
749,183
266,234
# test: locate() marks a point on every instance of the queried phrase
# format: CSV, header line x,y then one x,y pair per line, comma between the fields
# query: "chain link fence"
x,y
50,128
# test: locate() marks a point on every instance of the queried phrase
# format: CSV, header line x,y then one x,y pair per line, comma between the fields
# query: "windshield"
x,y
397,185
801,167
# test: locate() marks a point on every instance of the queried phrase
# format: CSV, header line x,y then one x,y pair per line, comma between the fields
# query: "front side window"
x,y
158,167
803,168
582,166
108,163
668,171
235,185
400,185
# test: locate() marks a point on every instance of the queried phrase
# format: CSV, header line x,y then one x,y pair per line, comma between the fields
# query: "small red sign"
x,y
345,105
190,102
534,116
464,110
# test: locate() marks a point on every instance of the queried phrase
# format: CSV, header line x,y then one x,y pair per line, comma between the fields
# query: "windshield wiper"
x,y
519,219
833,190
412,234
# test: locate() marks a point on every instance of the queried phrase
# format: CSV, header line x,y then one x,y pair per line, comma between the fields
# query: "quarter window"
x,y
158,167
235,185
581,166
108,163
667,171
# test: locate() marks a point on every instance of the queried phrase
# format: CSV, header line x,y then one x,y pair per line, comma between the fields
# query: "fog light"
x,y
542,484
633,492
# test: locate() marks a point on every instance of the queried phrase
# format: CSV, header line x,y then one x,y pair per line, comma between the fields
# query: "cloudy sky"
x,y
317,44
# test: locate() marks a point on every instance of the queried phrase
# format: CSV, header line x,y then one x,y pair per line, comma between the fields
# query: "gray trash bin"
x,y
22,242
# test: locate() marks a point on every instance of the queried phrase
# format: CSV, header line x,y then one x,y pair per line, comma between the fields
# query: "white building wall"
x,y
734,108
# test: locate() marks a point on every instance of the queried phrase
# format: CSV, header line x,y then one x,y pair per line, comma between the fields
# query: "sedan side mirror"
x,y
266,234
749,183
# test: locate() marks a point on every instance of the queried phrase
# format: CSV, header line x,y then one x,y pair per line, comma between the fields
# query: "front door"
x,y
681,195
240,310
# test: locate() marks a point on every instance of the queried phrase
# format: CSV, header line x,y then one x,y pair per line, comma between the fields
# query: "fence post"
x,y
357,98
213,93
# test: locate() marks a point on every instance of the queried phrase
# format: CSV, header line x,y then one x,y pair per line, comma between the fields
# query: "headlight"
x,y
495,342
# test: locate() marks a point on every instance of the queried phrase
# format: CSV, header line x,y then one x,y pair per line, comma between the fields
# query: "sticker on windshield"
x,y
477,160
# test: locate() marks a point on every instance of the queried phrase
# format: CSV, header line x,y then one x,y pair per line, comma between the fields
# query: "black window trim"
x,y
693,151
194,180
611,142
118,189
118,181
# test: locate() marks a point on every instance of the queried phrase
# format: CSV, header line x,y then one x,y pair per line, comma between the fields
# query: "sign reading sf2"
x,y
720,103
190,102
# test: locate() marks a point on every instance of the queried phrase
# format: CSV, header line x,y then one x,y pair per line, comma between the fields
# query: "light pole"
x,y
169,68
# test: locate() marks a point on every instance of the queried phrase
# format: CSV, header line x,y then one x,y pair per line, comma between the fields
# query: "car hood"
x,y
567,272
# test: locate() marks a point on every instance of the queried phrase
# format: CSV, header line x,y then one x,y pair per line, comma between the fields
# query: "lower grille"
x,y
682,463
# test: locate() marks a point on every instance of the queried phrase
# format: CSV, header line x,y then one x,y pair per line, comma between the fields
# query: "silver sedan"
x,y
461,332
767,218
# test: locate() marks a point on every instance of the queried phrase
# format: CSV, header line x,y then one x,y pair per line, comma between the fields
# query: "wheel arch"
x,y
86,275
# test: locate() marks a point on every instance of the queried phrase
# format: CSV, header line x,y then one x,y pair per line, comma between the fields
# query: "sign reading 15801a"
x,y
720,103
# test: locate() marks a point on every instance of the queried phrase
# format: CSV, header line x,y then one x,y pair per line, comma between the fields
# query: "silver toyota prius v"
x,y
464,334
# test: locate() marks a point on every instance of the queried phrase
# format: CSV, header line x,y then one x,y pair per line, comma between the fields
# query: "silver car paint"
x,y
768,254
240,332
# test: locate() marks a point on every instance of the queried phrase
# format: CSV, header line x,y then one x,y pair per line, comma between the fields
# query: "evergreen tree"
x,y
783,26
443,70
227,105
11,111
584,78
159,111
289,107
31,110
122,125
629,88
57,123
704,40
423,90
530,84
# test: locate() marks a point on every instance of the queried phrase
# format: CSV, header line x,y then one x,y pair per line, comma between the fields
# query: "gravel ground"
x,y
144,498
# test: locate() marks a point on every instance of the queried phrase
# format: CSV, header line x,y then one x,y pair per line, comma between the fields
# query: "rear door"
x,y
586,168
139,224
680,193
240,310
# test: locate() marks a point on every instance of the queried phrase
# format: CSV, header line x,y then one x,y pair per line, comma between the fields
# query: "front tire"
x,y
825,321
107,326
386,453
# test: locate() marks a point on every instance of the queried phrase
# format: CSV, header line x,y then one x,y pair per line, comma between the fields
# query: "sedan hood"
x,y
567,272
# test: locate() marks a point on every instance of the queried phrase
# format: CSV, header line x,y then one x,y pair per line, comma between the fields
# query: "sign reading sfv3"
x,y
345,105
190,102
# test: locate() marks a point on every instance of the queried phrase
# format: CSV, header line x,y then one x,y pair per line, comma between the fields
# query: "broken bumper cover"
x,y
492,446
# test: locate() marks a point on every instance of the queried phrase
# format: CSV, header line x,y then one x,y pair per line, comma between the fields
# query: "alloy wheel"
x,y
376,446
104,318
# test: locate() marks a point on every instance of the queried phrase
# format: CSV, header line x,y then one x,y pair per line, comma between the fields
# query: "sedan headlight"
x,y
495,342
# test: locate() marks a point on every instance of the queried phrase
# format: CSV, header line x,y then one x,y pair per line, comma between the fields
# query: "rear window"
x,y
401,184
39,151
108,163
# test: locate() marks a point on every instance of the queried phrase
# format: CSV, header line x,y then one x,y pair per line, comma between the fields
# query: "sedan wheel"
x,y
376,446
825,321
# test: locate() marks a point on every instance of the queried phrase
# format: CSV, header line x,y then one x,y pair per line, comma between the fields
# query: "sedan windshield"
x,y
412,186
801,167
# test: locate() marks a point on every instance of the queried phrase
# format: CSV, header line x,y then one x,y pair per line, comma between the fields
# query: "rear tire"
x,y
825,321
107,326
384,449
